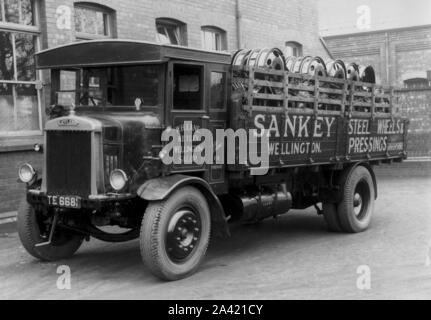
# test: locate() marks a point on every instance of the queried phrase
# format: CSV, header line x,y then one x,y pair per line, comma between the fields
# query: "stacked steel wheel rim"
x,y
273,58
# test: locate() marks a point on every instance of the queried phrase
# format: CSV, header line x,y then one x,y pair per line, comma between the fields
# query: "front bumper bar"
x,y
99,202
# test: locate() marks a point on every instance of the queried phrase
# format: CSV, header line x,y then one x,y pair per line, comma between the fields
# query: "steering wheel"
x,y
92,99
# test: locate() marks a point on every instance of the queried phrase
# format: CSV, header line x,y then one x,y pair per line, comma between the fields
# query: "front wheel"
x,y
34,228
175,234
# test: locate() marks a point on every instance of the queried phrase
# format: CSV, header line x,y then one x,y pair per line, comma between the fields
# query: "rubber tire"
x,y
330,214
153,232
349,222
29,234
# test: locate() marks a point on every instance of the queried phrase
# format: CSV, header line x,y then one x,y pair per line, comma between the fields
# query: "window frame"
x,y
181,26
410,84
216,31
23,27
34,30
295,46
225,98
110,21
83,73
203,107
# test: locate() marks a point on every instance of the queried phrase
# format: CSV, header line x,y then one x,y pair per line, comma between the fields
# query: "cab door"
x,y
218,91
187,110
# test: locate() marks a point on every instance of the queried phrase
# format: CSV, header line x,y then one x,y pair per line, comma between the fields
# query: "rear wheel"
x,y
34,229
356,208
175,234
353,214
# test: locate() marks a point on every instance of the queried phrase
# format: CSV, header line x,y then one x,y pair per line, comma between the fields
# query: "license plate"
x,y
68,202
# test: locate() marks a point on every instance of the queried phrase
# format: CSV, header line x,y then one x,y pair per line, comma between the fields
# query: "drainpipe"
x,y
238,16
387,59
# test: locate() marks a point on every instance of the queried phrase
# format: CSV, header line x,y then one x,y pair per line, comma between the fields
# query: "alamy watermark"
x,y
64,280
363,282
189,144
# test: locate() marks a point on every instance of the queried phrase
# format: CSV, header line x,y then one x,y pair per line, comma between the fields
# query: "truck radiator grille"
x,y
68,163
111,163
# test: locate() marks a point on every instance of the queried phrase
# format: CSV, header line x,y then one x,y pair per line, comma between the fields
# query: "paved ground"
x,y
292,258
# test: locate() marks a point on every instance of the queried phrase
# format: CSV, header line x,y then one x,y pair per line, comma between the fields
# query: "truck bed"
x,y
319,120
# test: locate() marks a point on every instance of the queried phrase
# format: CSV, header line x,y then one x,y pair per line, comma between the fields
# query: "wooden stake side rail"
x,y
320,121
275,89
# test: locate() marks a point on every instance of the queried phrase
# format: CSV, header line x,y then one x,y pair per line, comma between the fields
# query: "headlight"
x,y
118,179
26,173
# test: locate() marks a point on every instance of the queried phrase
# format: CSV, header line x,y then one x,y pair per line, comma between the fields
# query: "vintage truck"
x,y
111,102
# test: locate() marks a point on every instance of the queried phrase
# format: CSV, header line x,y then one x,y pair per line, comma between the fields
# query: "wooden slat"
x,y
265,109
300,99
316,96
268,96
331,80
265,71
286,93
267,83
301,87
300,76
301,111
329,90
331,101
329,112
363,94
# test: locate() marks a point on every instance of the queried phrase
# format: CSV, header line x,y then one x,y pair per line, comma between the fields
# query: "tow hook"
x,y
51,233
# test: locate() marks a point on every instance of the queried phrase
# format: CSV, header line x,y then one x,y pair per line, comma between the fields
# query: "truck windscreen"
x,y
108,87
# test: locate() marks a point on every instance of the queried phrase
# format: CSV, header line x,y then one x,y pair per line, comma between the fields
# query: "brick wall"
x,y
416,105
397,55
11,191
264,23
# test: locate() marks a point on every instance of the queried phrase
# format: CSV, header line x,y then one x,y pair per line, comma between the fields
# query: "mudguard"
x,y
159,189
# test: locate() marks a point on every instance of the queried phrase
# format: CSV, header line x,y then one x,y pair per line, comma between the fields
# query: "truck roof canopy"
x,y
122,52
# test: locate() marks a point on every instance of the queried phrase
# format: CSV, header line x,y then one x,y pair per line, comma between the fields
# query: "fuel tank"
x,y
255,205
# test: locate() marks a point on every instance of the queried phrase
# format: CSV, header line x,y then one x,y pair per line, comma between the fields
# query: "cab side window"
x,y
218,91
188,87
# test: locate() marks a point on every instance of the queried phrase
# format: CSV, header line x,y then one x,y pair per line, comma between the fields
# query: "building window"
x,y
17,11
19,92
170,31
293,49
93,22
214,39
417,83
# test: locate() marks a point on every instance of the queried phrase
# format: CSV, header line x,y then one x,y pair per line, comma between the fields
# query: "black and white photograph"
x,y
230,152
